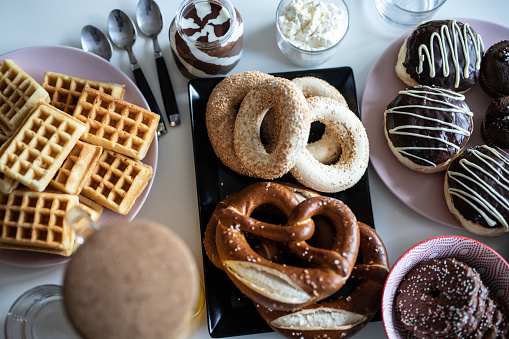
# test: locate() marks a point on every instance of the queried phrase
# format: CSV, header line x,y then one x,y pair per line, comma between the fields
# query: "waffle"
x,y
65,90
35,221
7,184
77,168
93,209
38,148
116,124
19,94
117,181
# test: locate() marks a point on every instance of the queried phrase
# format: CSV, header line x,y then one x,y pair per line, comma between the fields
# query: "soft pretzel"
x,y
353,162
221,112
290,108
281,286
343,316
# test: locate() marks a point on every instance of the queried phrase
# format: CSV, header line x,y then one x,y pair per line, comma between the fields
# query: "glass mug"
x,y
55,311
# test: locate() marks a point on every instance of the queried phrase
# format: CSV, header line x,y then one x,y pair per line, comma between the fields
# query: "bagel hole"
x,y
316,131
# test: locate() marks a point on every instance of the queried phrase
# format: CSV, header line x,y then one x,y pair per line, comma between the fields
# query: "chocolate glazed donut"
x,y
444,53
477,190
426,127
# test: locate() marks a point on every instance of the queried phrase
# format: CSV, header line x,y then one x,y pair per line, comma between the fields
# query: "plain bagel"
x,y
352,163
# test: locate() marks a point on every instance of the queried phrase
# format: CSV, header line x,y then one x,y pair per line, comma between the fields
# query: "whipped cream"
x,y
313,25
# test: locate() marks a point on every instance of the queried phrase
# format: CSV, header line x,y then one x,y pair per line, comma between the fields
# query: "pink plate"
x,y
494,271
424,193
68,60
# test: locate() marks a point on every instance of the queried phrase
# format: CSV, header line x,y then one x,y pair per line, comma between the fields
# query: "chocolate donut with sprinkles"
x,y
438,299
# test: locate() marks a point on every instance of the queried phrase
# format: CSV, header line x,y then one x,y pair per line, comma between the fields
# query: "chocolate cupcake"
x,y
443,53
495,70
426,127
495,125
475,189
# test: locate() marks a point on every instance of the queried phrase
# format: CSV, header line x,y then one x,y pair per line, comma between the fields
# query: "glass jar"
x,y
206,37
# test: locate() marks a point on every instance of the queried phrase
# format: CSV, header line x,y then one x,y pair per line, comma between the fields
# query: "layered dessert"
x,y
206,38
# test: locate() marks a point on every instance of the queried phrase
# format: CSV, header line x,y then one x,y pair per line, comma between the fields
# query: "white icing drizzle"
x,y
445,38
421,92
489,212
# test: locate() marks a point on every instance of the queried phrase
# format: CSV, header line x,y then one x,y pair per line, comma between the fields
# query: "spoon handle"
x,y
170,103
142,84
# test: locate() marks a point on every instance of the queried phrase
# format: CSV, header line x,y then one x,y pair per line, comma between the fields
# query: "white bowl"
x,y
310,57
494,271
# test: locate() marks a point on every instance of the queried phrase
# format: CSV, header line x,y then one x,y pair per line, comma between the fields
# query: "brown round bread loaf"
x,y
132,280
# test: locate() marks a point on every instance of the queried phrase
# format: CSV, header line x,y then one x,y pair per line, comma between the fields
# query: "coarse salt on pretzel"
x,y
291,112
346,315
352,163
276,285
209,238
221,112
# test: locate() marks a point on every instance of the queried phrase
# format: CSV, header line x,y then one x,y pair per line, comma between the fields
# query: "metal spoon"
x,y
94,41
150,22
123,35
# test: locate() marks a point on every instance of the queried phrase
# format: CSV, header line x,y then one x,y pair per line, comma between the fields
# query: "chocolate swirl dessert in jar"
x,y
206,37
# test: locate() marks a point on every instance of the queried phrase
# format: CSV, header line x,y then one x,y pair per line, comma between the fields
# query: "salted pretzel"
x,y
276,285
265,248
347,314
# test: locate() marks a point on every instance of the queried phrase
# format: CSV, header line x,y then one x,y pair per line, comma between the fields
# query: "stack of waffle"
x,y
70,141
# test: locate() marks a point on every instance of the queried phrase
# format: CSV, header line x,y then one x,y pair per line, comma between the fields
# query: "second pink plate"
x,y
424,193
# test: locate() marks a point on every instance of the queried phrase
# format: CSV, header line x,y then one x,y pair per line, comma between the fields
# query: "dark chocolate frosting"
x,y
495,125
478,179
418,43
495,70
428,125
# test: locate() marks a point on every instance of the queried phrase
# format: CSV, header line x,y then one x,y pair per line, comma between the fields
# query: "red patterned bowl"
x,y
494,271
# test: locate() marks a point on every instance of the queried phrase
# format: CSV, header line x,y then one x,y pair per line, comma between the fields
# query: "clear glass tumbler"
x,y
407,13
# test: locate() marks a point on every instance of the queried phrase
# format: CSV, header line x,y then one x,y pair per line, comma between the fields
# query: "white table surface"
x,y
173,199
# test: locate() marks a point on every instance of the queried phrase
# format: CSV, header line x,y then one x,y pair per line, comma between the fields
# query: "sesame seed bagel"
x,y
221,112
291,112
312,87
352,163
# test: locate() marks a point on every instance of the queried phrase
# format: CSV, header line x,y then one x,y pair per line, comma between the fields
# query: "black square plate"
x,y
229,312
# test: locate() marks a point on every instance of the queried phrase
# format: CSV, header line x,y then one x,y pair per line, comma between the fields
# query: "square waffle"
x,y
117,181
77,168
19,94
93,209
116,124
35,221
38,148
65,90
7,184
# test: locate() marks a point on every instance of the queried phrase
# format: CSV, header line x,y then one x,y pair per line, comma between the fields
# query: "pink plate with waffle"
x,y
72,61
494,271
